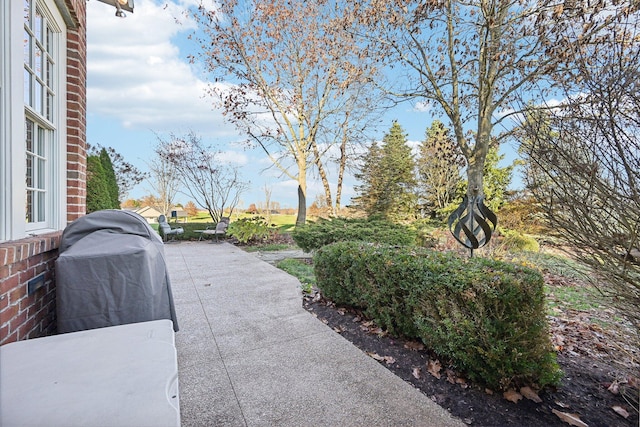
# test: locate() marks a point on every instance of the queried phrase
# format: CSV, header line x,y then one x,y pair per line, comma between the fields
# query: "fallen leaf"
x,y
434,367
356,319
462,382
530,394
376,356
451,376
613,388
512,396
339,329
414,345
386,359
341,311
488,391
571,419
417,373
621,411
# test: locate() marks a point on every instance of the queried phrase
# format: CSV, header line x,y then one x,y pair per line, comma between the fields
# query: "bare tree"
x,y
292,73
164,182
471,60
201,173
584,162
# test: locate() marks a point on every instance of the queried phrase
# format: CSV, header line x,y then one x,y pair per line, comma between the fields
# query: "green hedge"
x,y
315,235
487,317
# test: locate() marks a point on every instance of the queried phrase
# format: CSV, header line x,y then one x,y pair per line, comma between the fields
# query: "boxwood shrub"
x,y
315,235
486,317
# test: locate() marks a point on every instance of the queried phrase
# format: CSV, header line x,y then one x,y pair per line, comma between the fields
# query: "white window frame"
x,y
13,194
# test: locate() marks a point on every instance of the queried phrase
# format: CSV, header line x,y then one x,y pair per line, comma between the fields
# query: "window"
x,y
32,118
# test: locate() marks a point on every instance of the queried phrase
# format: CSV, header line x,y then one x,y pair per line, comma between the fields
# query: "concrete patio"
x,y
250,355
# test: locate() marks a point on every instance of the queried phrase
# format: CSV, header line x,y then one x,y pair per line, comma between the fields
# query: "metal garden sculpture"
x,y
472,223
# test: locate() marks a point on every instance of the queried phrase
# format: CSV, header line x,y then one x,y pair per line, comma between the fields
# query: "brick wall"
x,y
24,315
76,109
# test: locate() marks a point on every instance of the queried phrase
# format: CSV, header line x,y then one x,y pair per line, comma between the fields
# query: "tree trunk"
x,y
323,176
302,207
302,191
343,164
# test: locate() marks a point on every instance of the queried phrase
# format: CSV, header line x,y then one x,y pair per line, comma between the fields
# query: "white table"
x,y
117,376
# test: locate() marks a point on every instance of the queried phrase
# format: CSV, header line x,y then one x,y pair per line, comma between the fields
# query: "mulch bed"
x,y
588,389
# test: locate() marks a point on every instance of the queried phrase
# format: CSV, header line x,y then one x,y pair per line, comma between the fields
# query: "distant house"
x,y
149,213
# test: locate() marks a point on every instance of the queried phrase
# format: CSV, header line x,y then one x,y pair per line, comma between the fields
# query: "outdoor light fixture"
x,y
120,5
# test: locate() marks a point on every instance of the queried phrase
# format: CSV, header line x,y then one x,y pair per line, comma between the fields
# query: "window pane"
x,y
49,46
29,135
30,179
37,101
37,26
38,62
41,142
49,76
49,107
27,87
41,174
27,10
41,206
27,48
29,207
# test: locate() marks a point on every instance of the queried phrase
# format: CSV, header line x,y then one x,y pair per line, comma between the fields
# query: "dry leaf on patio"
x,y
434,367
530,394
571,419
512,396
417,373
621,411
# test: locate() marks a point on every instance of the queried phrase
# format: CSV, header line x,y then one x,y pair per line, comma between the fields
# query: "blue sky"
x,y
140,84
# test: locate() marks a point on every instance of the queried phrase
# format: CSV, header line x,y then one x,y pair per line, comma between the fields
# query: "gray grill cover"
x,y
111,271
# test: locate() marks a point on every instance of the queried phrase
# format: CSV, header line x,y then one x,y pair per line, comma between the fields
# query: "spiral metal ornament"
x,y
473,223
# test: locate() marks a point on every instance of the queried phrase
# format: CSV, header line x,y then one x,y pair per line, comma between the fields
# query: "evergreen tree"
x,y
110,179
368,175
439,168
98,196
388,178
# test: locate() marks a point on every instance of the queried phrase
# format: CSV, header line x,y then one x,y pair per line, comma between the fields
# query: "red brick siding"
x,y
24,316
76,112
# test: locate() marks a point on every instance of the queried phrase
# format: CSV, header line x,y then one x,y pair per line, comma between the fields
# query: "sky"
x,y
140,85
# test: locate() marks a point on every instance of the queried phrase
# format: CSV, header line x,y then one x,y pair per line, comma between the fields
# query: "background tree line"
x,y
401,184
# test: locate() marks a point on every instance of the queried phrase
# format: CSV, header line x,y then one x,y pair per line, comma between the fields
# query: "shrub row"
x,y
487,317
315,235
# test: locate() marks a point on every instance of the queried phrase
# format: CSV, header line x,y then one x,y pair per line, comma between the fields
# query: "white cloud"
x,y
422,106
233,158
138,75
